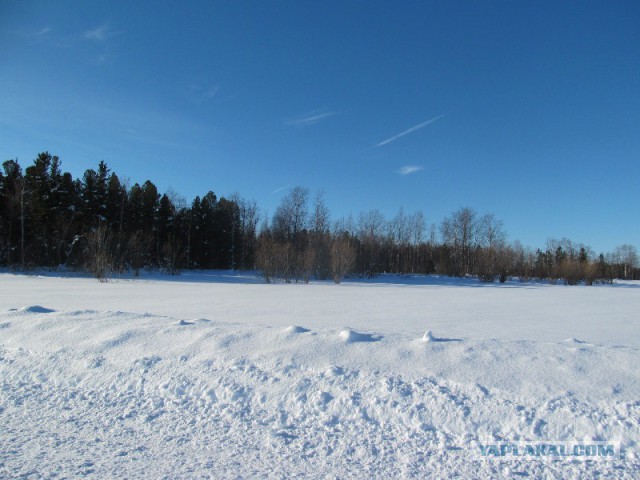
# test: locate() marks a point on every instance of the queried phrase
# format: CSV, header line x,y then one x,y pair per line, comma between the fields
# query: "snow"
x,y
296,329
35,309
350,336
216,374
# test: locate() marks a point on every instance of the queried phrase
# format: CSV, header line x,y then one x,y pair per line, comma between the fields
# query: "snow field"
x,y
124,393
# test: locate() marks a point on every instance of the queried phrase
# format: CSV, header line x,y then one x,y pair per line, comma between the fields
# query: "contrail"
x,y
310,119
411,130
279,189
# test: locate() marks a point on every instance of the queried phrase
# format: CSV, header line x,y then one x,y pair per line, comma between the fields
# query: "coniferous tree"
x,y
12,193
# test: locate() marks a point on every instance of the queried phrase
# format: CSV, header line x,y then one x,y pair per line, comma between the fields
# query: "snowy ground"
x,y
219,375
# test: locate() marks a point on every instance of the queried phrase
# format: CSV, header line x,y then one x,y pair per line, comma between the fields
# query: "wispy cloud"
x,y
29,32
310,118
40,33
202,93
409,169
209,93
408,131
100,34
101,37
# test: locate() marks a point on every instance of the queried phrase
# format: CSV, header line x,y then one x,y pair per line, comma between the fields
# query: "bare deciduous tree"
x,y
99,258
459,232
320,238
627,256
342,256
491,238
291,215
370,232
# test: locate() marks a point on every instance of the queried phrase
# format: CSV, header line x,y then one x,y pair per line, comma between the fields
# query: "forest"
x,y
103,225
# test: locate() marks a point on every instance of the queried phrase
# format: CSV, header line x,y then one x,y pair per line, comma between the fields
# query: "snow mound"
x,y
296,329
350,336
35,309
428,337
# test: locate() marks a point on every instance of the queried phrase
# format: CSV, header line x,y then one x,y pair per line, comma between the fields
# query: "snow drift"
x,y
253,380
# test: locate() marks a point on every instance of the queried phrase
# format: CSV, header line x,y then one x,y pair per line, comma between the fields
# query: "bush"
x,y
99,261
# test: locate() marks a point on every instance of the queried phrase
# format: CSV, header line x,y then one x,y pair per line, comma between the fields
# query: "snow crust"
x,y
221,376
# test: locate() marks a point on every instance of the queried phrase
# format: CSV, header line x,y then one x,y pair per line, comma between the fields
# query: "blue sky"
x,y
529,110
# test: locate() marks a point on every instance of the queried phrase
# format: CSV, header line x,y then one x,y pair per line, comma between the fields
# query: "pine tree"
x,y
12,212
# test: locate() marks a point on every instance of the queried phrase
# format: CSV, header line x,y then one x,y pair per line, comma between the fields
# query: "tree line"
x,y
301,243
102,224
